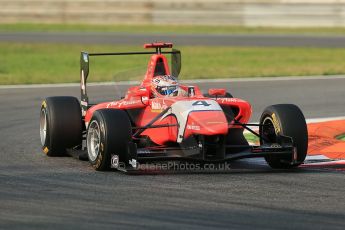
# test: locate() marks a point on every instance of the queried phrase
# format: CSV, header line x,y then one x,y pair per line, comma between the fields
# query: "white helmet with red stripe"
x,y
164,85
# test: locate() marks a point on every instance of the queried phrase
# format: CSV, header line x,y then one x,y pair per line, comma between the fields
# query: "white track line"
x,y
315,120
225,80
326,163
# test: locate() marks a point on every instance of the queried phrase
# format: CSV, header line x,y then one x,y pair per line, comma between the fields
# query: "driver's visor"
x,y
167,90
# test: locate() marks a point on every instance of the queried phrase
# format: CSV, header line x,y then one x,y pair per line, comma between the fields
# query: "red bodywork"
x,y
142,108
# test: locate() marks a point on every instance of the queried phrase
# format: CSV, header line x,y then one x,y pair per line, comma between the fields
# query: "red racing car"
x,y
163,120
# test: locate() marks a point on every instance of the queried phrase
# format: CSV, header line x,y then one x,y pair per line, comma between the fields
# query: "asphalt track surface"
x,y
39,192
265,40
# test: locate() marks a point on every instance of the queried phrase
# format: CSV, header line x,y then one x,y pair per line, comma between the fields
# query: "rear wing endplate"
x,y
84,73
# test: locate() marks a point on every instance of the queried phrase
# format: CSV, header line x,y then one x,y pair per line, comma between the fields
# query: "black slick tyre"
x,y
287,120
60,125
108,135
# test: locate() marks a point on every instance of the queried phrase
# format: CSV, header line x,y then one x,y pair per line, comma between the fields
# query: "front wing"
x,y
284,149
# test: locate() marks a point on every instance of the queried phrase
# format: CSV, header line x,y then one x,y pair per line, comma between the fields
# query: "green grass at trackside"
x,y
251,138
54,63
187,29
341,137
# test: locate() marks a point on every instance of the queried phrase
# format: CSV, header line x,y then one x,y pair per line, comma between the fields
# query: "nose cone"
x,y
206,123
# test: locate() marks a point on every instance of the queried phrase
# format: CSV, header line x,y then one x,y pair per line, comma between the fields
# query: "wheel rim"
x,y
43,126
93,140
268,131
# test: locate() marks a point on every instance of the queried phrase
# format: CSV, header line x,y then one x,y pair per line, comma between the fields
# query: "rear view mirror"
x,y
142,92
217,92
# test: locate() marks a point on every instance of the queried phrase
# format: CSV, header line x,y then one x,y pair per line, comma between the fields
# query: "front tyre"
x,y
287,120
60,125
108,135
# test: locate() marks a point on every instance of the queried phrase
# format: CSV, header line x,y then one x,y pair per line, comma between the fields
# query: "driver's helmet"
x,y
164,85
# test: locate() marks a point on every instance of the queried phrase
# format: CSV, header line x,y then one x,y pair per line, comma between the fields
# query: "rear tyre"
x,y
108,136
60,125
287,120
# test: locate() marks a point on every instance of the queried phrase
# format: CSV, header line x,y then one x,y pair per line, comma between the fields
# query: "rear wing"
x,y
85,62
